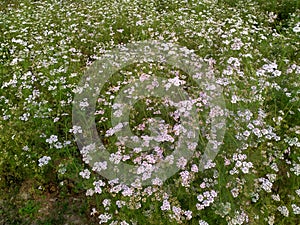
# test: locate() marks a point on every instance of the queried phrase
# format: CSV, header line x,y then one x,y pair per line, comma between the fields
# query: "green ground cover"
x,y
252,48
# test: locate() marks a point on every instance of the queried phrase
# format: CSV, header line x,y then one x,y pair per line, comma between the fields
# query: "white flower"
x,y
296,29
209,164
89,192
246,133
99,166
185,178
276,197
166,205
200,198
157,181
283,210
104,218
257,132
181,163
85,174
237,44
120,203
14,61
202,222
176,210
296,169
175,81
52,139
84,103
106,202
266,184
296,209
25,148
76,129
127,191
44,160
194,168
271,220
94,211
235,192
188,214
234,99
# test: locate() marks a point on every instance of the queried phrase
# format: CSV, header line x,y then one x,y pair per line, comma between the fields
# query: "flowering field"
x,y
227,152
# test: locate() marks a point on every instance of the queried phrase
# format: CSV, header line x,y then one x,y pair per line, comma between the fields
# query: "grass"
x,y
253,47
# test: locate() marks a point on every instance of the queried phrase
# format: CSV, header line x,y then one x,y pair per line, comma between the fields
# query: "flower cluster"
x,y
250,55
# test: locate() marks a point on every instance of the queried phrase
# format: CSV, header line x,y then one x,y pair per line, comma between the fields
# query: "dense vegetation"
x,y
251,47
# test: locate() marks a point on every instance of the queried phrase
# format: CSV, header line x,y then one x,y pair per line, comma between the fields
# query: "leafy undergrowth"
x,y
251,47
29,203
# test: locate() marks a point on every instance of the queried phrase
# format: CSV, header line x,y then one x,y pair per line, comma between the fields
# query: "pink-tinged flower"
x,y
157,182
127,191
99,166
165,206
185,176
176,210
200,198
98,190
194,168
181,163
227,162
144,77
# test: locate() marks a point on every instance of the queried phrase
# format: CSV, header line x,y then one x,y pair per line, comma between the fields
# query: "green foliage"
x,y
30,209
46,46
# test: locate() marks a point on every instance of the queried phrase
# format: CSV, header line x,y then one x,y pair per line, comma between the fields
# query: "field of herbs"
x,y
51,174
